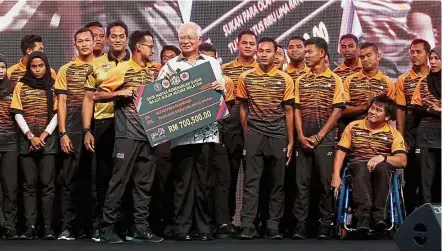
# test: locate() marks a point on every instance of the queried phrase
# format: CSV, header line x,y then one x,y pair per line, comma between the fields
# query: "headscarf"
x,y
5,83
45,83
433,79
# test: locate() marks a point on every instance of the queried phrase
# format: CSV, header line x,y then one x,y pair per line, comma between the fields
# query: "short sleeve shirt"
x,y
362,144
344,71
429,128
17,71
316,97
8,133
31,103
127,121
295,73
265,95
405,86
358,88
233,70
70,82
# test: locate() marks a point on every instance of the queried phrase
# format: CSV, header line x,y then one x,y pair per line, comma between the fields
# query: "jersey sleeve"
x,y
347,96
61,86
338,96
53,74
16,105
417,97
241,93
400,93
229,90
297,104
398,145
345,142
391,89
114,80
289,90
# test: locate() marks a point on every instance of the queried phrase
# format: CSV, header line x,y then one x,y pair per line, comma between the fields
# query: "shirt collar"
x,y
379,75
344,67
236,63
291,69
181,57
111,57
327,73
362,124
413,74
270,73
134,65
21,65
78,61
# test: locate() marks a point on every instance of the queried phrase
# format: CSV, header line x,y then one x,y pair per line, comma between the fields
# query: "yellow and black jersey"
x,y
8,133
344,71
18,70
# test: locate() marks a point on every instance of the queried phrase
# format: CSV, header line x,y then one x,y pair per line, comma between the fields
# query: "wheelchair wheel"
x,y
342,233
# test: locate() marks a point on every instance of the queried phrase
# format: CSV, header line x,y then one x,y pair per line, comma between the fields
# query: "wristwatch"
x,y
85,130
30,136
61,134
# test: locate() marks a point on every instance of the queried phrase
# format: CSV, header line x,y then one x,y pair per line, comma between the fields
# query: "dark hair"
x,y
81,31
351,36
136,37
368,44
246,32
319,42
93,23
295,38
427,46
269,39
389,105
280,46
169,48
207,47
115,24
28,42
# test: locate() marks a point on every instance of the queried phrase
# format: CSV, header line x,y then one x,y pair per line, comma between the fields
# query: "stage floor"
x,y
216,245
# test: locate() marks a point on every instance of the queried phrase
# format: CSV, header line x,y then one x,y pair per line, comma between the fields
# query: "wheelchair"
x,y
395,204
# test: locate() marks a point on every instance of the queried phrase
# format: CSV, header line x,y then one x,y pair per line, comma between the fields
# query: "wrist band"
x,y
317,139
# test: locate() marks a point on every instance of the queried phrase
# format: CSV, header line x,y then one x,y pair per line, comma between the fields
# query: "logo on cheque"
x,y
157,87
184,76
165,83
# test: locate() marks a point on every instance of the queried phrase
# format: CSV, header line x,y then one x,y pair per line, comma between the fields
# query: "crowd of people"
x,y
76,161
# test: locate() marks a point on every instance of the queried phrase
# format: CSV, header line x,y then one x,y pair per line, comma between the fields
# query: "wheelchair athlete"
x,y
374,149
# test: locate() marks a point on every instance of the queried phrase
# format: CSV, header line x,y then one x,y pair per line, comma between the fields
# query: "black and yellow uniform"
x,y
70,82
134,159
8,156
358,88
155,68
428,138
232,136
344,71
294,72
266,95
316,97
36,105
18,70
370,190
104,133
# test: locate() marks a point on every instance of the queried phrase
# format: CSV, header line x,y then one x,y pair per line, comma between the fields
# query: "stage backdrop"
x,y
392,24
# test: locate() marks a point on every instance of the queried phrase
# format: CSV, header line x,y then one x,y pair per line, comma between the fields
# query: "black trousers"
x,y
101,165
412,174
260,149
134,162
321,159
9,187
38,170
234,144
370,189
69,186
221,168
192,186
430,168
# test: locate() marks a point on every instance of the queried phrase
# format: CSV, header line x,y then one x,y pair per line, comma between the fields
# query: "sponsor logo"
x,y
120,155
165,83
157,87
106,66
184,76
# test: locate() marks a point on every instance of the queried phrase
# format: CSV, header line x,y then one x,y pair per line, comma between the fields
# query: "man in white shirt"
x,y
191,152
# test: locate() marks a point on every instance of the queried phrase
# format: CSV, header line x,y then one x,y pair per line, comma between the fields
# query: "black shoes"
x,y
274,234
96,235
49,234
66,235
183,237
363,224
299,233
324,233
225,232
11,234
380,225
206,237
108,235
143,235
248,233
30,234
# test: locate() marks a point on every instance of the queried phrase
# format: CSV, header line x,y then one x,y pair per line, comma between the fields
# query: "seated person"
x,y
375,148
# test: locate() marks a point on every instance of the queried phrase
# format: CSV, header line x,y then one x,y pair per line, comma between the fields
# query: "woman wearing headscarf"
x,y
8,154
427,99
33,108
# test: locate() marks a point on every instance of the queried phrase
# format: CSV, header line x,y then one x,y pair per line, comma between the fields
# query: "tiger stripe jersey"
x,y
32,104
127,75
98,71
70,82
233,70
405,86
18,70
361,144
229,98
294,72
428,132
316,97
344,71
265,95
8,134
358,88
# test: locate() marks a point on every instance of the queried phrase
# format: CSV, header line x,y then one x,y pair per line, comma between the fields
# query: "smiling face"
x,y
117,40
377,113
38,68
189,40
247,46
279,58
296,50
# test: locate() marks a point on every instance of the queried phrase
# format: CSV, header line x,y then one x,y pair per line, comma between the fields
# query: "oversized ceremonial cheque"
x,y
171,107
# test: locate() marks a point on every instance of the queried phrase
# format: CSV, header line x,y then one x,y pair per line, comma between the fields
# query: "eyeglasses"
x,y
182,38
148,45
